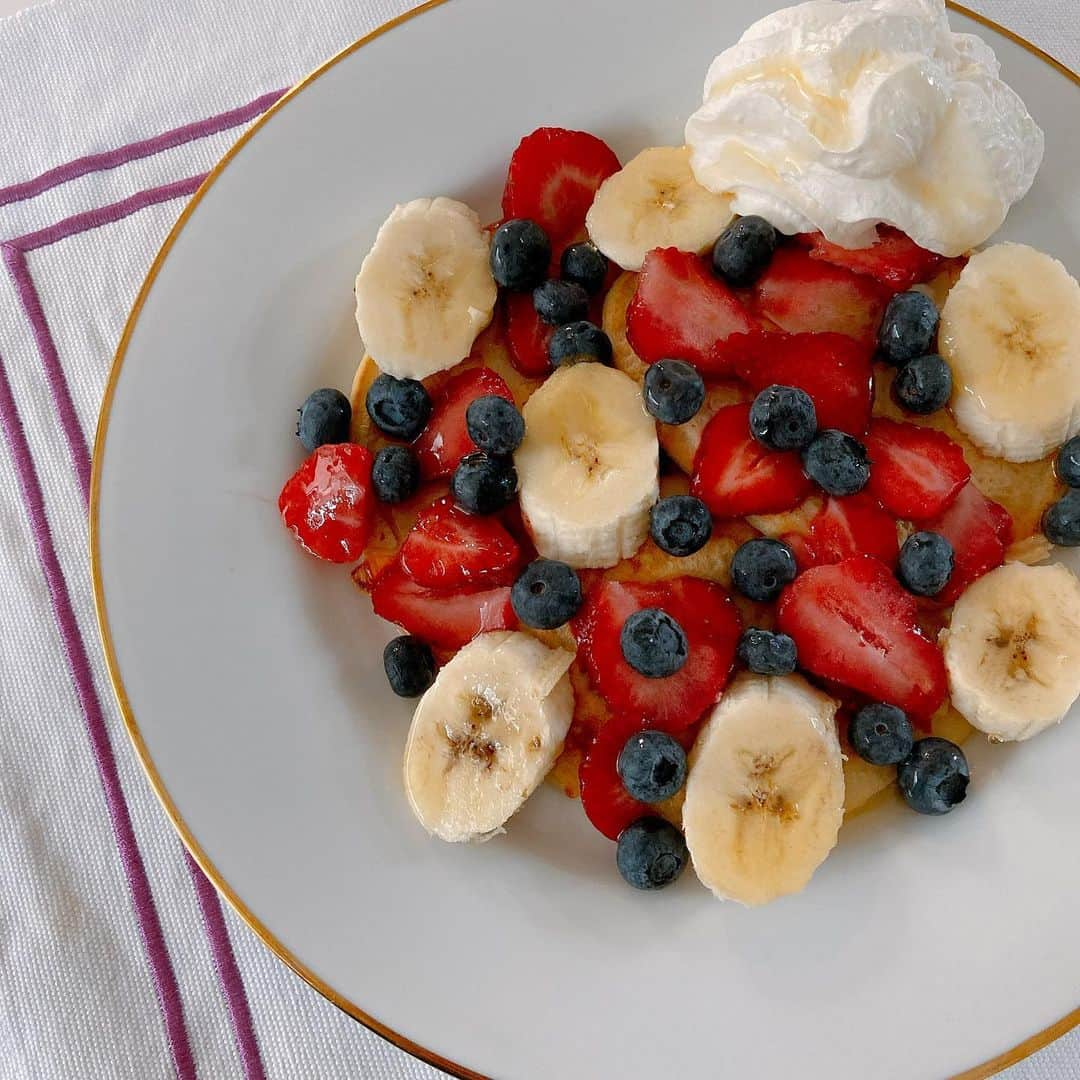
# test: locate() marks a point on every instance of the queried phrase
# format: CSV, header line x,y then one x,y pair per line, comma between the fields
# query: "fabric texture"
x,y
117,958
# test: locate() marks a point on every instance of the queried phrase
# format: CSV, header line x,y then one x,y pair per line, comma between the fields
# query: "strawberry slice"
x,y
329,504
856,525
855,625
446,620
980,530
834,369
681,311
553,176
735,475
445,440
801,294
894,260
915,472
448,547
712,626
527,335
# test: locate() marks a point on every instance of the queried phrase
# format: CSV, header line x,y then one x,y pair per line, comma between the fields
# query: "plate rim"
x,y
987,1069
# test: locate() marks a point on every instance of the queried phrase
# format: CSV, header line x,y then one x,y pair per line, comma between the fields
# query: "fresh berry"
x,y
837,463
735,475
934,779
917,472
560,302
762,567
895,259
881,734
395,474
926,563
445,440
529,338
674,391
398,407
325,417
448,547
652,766
1061,523
604,798
979,530
579,342
584,265
653,643
783,418
651,853
856,525
680,310
328,502
767,653
547,594
854,625
410,666
923,385
494,424
680,525
744,250
712,627
907,328
1068,463
484,484
520,255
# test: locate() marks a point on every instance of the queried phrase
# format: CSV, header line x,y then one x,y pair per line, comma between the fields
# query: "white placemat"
x,y
117,959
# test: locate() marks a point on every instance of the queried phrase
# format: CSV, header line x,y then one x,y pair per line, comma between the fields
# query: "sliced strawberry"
x,y
856,525
527,335
800,548
606,803
979,530
854,624
735,475
681,311
834,369
801,295
328,503
915,472
894,260
712,626
445,440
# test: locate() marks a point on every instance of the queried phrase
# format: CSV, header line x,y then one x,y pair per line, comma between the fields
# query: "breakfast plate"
x,y
252,681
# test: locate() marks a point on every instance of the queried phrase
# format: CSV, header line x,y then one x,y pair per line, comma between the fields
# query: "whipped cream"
x,y
838,116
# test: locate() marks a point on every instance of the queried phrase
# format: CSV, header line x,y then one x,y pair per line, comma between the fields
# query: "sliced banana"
x,y
765,794
425,291
1012,650
588,466
486,734
654,201
1009,331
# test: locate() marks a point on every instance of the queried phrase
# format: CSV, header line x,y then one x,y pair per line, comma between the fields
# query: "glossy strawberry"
x,y
527,336
980,530
854,525
895,260
329,504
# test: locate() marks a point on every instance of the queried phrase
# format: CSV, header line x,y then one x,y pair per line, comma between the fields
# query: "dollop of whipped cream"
x,y
838,116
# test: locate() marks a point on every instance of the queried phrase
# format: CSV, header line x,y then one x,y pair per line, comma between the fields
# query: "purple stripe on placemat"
x,y
164,977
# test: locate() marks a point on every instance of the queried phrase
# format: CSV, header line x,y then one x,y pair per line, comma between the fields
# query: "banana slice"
x,y
1013,650
1009,331
486,733
765,795
654,201
425,291
588,466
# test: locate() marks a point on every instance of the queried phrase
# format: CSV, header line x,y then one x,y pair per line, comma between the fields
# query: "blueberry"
x,y
653,643
520,254
783,418
934,777
395,474
546,595
584,265
881,734
325,417
560,302
1068,463
766,653
578,341
908,328
484,484
1061,522
410,667
744,250
651,853
762,567
674,391
923,385
399,408
680,525
494,424
926,563
837,463
652,766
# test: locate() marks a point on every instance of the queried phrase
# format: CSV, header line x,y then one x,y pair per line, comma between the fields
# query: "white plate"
x,y
254,675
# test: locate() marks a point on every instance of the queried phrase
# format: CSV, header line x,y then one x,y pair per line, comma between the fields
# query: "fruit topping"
x,y
652,766
1068,462
783,418
604,798
980,531
881,734
395,474
895,259
907,328
917,472
651,853
923,385
1061,523
744,251
399,408
674,391
547,594
579,342
926,563
494,424
483,483
767,653
934,778
837,463
560,302
856,525
410,666
325,417
520,255
528,337
653,643
680,525
584,265
762,567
